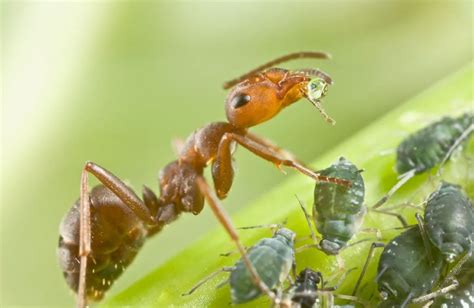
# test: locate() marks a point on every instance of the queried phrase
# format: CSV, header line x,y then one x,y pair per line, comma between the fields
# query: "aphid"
x,y
429,147
106,227
273,258
463,295
405,270
305,288
449,221
338,211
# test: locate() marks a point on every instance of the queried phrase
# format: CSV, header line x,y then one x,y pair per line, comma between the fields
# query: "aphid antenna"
x,y
437,293
282,59
370,255
455,145
424,236
402,180
201,282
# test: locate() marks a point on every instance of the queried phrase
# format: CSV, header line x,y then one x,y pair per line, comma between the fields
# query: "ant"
x,y
108,225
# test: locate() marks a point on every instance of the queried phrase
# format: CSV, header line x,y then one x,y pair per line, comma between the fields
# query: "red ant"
x,y
108,226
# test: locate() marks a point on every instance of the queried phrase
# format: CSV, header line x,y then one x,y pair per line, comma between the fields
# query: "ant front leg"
x,y
270,155
123,192
226,222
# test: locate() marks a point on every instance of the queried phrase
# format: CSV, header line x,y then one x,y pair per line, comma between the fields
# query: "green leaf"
x,y
371,149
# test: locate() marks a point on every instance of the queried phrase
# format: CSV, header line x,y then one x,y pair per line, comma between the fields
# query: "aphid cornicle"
x,y
405,270
463,295
429,147
272,258
106,227
449,221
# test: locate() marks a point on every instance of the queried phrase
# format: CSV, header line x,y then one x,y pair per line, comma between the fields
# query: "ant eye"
x,y
240,100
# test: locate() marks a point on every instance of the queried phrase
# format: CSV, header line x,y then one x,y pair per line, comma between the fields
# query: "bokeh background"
x,y
116,82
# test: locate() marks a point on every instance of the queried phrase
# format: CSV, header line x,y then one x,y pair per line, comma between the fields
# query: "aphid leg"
x,y
455,145
454,271
376,231
424,236
207,278
370,255
268,154
308,221
85,239
273,227
398,216
437,293
123,192
403,179
407,300
228,254
225,221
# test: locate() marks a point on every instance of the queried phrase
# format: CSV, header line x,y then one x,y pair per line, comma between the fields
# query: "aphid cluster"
x,y
107,226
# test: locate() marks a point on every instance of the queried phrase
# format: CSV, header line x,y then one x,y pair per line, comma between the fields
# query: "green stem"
x,y
164,286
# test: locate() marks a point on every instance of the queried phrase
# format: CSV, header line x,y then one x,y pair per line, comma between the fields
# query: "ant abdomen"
x,y
117,235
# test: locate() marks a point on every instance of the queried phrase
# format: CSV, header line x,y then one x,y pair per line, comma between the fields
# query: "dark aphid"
x,y
449,221
429,147
305,288
405,271
463,295
338,211
272,258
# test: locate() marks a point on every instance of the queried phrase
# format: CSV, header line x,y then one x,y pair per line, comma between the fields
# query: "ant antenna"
x,y
285,58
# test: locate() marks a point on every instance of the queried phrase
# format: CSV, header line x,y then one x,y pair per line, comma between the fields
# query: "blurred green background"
x,y
116,82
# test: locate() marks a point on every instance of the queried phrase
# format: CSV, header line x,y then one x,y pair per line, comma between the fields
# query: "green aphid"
x,y
405,271
272,258
339,211
449,221
428,147
463,295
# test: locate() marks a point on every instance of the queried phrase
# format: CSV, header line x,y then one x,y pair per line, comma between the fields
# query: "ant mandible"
x,y
107,226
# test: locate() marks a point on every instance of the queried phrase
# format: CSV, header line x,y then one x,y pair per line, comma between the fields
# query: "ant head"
x,y
262,93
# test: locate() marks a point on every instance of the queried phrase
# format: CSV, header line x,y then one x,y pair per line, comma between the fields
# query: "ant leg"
x,y
424,236
225,221
283,152
403,179
84,239
456,144
207,278
268,154
366,264
120,190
